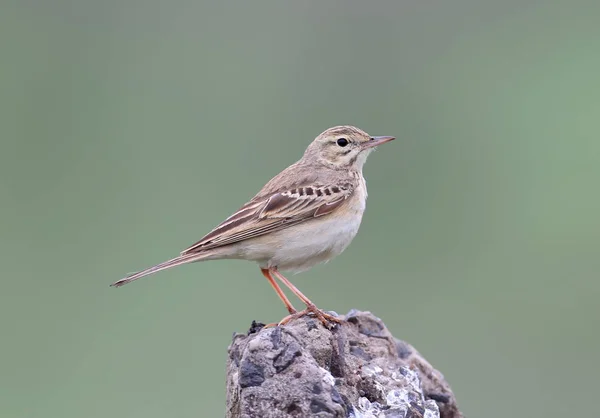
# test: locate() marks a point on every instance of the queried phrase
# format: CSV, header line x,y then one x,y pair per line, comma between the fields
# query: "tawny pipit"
x,y
307,214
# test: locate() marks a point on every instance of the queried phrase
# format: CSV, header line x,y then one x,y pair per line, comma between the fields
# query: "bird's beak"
x,y
377,140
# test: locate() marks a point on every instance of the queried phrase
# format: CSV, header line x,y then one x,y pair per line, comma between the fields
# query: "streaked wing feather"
x,y
273,213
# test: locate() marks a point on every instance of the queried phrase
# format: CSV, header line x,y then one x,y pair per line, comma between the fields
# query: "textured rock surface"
x,y
358,369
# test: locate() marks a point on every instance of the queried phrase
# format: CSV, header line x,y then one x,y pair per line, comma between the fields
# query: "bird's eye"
x,y
342,142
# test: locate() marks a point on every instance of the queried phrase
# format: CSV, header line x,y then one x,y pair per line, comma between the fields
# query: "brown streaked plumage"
x,y
307,214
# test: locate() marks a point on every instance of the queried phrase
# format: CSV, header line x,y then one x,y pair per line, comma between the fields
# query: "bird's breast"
x,y
302,246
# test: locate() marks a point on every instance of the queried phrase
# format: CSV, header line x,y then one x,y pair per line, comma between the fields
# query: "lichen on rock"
x,y
358,369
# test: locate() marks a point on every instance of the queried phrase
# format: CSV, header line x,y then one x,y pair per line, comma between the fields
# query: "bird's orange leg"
x,y
279,292
325,318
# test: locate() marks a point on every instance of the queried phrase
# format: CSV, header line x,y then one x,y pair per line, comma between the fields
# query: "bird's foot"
x,y
293,315
326,319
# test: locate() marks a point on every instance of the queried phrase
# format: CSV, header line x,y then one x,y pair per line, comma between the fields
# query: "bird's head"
x,y
343,147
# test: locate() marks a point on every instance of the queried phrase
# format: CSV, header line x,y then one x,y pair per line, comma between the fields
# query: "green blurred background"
x,y
131,128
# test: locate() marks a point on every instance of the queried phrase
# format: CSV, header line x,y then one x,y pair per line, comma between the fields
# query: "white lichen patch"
x,y
431,410
396,398
368,409
399,391
372,370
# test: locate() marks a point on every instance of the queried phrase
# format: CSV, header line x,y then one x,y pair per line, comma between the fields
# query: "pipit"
x,y
307,214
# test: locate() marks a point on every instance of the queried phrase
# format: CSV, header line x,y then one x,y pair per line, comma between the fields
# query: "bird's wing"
x,y
274,212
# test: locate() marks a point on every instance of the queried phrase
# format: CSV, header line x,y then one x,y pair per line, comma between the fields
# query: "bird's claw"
x,y
328,320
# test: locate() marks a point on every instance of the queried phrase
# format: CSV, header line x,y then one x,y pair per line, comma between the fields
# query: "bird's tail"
x,y
177,261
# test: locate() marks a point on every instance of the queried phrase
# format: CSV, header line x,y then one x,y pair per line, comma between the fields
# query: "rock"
x,y
358,369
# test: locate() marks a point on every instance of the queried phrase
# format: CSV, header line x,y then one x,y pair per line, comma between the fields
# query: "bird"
x,y
306,215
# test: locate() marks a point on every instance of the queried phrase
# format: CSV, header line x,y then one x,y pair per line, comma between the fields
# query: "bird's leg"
x,y
279,292
324,317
